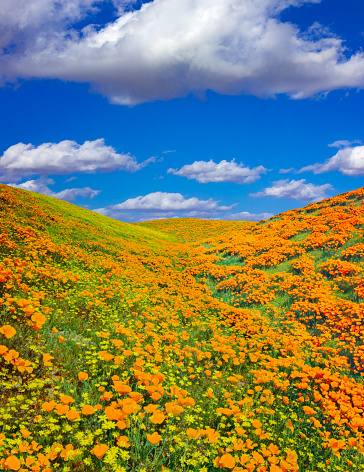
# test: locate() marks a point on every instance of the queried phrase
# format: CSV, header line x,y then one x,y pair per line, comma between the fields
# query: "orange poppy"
x,y
62,409
72,415
154,438
88,410
100,450
66,399
8,331
82,375
48,406
228,461
13,463
157,418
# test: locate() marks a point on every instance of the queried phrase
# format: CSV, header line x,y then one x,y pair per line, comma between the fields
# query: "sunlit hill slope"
x,y
181,345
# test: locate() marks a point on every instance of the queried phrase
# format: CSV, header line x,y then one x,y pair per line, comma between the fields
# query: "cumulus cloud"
x,y
296,189
223,171
42,186
164,205
246,216
63,158
171,48
26,26
348,161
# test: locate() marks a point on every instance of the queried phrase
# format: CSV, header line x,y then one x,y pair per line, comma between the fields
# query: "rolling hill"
x,y
181,345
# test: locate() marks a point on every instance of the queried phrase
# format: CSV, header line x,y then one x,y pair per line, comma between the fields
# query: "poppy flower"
x,y
13,463
39,319
72,415
46,359
154,438
100,450
88,410
48,406
192,433
151,408
66,399
228,461
62,409
177,410
8,331
157,418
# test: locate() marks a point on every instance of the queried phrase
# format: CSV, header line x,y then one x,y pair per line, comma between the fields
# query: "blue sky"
x,y
227,109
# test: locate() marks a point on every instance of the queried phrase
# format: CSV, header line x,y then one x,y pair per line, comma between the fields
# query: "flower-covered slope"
x,y
180,345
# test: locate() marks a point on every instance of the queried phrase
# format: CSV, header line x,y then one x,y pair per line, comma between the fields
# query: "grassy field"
x,y
181,345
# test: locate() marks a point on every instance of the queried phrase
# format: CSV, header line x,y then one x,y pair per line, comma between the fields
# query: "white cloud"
x,y
223,171
348,161
70,179
246,216
164,201
27,25
164,205
344,143
170,48
42,186
63,158
296,189
287,171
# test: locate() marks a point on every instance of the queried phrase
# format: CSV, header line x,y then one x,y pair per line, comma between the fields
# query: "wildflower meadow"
x,y
181,345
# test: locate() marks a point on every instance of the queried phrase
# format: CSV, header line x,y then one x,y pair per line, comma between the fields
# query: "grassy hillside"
x,y
181,345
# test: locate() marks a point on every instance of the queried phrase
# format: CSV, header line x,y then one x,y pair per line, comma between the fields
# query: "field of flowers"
x,y
181,345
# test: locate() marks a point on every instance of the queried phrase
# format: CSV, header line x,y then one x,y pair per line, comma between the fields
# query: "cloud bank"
x,y
223,171
163,205
63,158
295,189
171,48
69,194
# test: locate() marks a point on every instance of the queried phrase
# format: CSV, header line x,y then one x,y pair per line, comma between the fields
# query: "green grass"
x,y
230,260
85,222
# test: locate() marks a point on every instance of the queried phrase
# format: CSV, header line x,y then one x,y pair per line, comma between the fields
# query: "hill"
x,y
181,345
